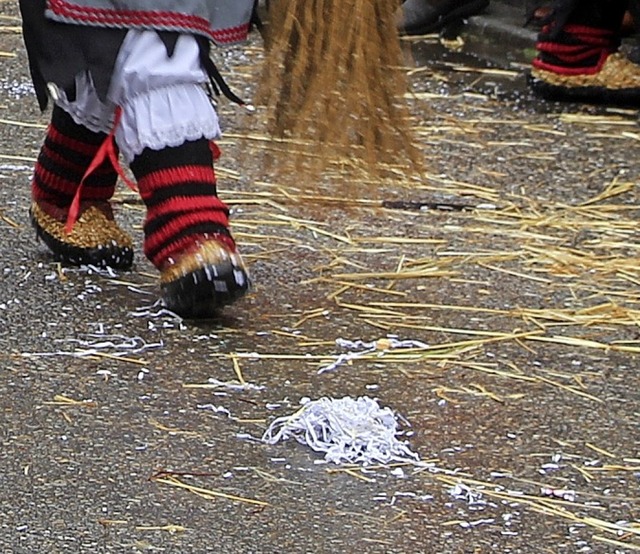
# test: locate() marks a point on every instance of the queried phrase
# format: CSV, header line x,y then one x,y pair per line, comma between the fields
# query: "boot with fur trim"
x,y
187,230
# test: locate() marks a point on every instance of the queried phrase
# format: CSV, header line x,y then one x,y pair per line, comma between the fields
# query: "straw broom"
x,y
333,85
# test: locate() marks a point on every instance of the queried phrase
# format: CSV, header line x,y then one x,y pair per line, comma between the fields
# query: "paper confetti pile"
x,y
347,430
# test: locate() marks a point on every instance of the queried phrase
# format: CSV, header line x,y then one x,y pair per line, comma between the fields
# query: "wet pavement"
x,y
513,260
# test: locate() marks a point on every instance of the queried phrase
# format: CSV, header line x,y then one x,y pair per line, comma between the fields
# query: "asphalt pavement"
x,y
491,302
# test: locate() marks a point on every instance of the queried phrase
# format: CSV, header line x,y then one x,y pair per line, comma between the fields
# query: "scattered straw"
x,y
208,493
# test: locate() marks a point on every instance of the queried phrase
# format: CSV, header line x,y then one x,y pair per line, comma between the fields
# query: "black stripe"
x,y
196,152
99,178
71,155
56,196
53,167
183,190
153,225
64,124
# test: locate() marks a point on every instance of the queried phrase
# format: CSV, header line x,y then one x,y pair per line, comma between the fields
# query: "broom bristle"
x,y
333,84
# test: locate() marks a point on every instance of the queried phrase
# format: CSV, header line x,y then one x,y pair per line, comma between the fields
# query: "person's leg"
x,y
417,17
187,229
165,134
578,56
59,64
68,150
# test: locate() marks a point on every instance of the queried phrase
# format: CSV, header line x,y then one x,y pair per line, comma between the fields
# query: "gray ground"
x,y
520,271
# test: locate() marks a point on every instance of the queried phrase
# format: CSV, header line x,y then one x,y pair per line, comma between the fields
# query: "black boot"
x,y
418,17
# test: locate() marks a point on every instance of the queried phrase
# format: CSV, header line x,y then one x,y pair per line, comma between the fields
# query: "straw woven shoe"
x,y
96,239
617,82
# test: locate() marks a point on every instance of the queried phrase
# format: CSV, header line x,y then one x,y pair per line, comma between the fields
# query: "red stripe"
x,y
231,34
569,54
184,173
162,238
97,192
136,17
570,71
584,30
181,222
568,49
81,147
53,181
149,19
189,204
175,176
64,163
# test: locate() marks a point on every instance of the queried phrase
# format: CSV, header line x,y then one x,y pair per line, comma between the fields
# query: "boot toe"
x,y
199,283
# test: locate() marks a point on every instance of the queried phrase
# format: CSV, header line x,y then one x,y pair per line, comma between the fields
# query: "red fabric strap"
x,y
106,151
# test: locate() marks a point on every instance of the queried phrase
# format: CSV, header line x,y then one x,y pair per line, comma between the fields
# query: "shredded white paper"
x,y
347,430
90,344
358,348
234,385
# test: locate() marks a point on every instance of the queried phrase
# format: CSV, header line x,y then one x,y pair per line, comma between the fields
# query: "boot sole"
x,y
584,94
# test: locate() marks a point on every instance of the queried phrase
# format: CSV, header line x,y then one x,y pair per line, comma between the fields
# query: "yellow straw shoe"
x,y
59,178
578,57
96,239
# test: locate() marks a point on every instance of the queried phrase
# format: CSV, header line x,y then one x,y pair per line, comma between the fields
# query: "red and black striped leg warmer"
x,y
187,230
178,186
67,151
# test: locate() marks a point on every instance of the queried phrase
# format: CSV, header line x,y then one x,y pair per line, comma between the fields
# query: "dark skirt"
x,y
58,52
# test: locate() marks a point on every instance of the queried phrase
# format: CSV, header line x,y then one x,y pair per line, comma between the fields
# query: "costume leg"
x,y
96,239
418,17
165,134
578,56
187,229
